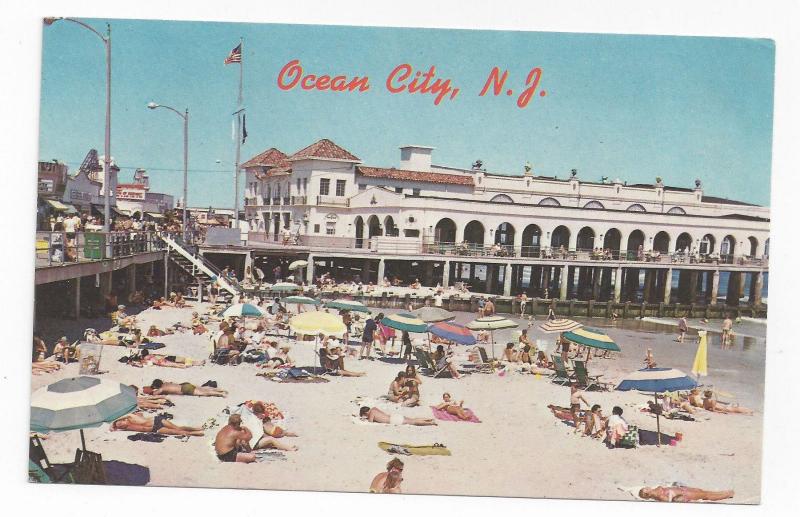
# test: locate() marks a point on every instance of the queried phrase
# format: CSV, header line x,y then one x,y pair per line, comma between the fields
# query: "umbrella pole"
x,y
658,420
83,441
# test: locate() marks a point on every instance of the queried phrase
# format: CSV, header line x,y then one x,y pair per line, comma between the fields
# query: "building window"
x,y
316,228
597,205
330,228
415,192
324,186
340,184
549,201
305,185
676,210
298,185
362,186
399,190
636,207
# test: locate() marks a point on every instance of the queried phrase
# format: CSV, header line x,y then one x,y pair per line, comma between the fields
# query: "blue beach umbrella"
x,y
453,332
657,380
242,310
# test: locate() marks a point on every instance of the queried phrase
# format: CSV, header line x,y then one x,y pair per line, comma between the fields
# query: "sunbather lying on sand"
x,y
716,406
170,361
272,433
453,408
138,423
40,367
232,443
146,402
388,482
378,416
682,494
154,331
160,387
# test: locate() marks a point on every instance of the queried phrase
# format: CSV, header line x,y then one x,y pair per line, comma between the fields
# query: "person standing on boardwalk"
x,y
683,328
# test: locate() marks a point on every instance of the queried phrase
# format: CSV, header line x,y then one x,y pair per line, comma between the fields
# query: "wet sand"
x,y
519,449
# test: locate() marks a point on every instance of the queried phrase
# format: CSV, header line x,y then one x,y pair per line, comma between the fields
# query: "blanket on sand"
x,y
441,414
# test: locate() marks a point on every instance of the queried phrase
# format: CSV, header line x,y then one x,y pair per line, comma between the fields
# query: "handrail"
x,y
202,264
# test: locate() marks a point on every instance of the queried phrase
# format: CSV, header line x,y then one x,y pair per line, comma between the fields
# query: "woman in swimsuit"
x,y
710,404
388,482
135,422
452,408
396,388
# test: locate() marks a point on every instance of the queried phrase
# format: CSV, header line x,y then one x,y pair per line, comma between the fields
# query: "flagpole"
x,y
238,114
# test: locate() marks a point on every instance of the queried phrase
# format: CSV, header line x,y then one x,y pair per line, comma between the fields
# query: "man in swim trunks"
x,y
682,494
233,442
575,398
160,387
378,416
388,482
138,423
727,325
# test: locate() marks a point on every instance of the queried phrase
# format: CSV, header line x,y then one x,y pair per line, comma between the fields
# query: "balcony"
x,y
299,200
286,200
332,201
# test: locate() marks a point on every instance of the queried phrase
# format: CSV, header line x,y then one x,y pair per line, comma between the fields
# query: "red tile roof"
x,y
270,158
426,177
131,185
325,149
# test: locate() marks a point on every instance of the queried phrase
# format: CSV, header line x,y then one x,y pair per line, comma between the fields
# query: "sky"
x,y
615,106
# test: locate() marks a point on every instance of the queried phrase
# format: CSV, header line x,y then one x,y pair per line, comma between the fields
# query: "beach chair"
x,y
41,470
589,381
486,365
561,376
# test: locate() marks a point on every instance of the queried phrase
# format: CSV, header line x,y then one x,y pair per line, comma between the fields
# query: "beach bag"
x,y
631,437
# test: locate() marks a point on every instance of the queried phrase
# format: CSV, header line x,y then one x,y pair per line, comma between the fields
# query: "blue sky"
x,y
633,107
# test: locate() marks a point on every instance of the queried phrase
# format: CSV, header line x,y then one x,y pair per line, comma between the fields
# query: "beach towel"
x,y
147,437
651,438
437,449
441,414
151,346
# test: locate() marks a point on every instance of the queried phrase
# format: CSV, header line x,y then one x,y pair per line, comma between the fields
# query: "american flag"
x,y
235,55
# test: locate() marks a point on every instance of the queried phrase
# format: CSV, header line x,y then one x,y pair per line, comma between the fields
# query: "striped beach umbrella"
x,y
284,287
559,325
78,403
298,264
405,321
347,305
452,332
492,323
700,365
592,338
302,300
657,380
242,310
316,322
433,314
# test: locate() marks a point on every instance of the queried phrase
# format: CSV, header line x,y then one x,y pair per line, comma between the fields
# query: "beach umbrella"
x,y
492,323
592,338
347,305
405,321
657,380
242,310
559,325
700,365
452,332
78,403
298,264
284,287
302,300
433,314
317,322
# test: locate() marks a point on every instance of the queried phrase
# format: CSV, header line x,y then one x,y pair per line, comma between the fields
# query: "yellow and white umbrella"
x,y
700,365
317,322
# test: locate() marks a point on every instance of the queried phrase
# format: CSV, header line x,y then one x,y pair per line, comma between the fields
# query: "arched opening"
x,y
359,224
474,233
504,234
549,201
445,231
766,248
636,207
596,205
676,210
612,240
501,198
560,238
531,241
684,243
390,229
636,245
707,244
661,242
753,246
374,225
728,246
585,239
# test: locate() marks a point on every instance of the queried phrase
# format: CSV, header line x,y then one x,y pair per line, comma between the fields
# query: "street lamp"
x,y
185,117
107,158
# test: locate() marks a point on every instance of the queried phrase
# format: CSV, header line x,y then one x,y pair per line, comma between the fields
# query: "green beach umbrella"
x,y
593,338
433,314
405,321
302,300
347,305
492,323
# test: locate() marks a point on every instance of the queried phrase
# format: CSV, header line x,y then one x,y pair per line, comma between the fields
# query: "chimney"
x,y
416,158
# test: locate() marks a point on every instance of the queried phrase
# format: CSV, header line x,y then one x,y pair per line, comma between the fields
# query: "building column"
x,y
427,273
166,275
562,284
756,287
77,313
732,298
507,280
381,270
596,274
617,284
714,287
365,271
668,286
132,278
692,286
445,274
648,281
105,283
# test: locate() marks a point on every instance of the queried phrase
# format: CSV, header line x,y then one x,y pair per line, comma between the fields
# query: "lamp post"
x,y
185,117
107,144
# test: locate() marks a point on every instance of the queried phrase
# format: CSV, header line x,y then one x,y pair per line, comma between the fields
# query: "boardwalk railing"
x,y
55,248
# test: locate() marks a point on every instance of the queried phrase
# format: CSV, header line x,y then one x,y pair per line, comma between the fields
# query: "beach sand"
x,y
519,449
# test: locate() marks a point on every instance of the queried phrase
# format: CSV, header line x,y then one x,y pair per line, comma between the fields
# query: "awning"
x,y
155,215
100,209
57,205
